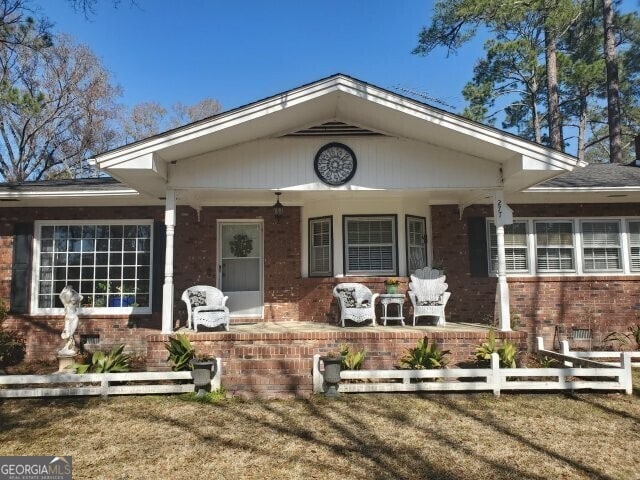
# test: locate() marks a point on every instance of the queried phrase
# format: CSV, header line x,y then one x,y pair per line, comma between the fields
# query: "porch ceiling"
x,y
266,198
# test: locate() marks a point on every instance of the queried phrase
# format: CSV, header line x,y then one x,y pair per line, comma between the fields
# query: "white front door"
x,y
240,259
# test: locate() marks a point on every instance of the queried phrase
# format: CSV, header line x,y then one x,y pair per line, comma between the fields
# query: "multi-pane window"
x,y
109,263
416,251
634,245
554,246
320,247
370,245
516,247
601,249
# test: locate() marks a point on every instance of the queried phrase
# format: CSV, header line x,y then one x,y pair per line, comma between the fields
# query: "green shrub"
x,y
12,348
113,361
214,397
507,351
631,339
181,353
546,362
352,360
424,356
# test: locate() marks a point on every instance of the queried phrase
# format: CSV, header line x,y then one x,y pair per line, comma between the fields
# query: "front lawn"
x,y
383,436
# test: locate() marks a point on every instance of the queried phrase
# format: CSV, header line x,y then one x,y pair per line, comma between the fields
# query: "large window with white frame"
x,y
554,246
601,246
108,262
634,245
571,246
370,245
320,247
516,249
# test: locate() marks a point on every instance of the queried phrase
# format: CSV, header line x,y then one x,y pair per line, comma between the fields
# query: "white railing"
x,y
612,357
104,384
494,378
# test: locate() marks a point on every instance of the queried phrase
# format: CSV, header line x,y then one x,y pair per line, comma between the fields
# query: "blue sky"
x,y
238,52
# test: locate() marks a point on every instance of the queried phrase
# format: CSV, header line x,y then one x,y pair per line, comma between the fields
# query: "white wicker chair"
x,y
356,302
428,294
206,306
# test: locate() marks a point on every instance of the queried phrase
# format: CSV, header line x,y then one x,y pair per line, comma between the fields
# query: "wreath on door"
x,y
241,245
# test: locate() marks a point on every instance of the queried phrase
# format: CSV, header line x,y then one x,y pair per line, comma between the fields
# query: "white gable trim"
x,y
547,158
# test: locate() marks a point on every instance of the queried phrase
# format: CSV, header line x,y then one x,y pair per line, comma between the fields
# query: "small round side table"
x,y
387,299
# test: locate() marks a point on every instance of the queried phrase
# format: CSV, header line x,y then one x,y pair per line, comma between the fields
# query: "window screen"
x,y
108,263
554,247
634,245
416,244
320,247
370,245
516,247
601,246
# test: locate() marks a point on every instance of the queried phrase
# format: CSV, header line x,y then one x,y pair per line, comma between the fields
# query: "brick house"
x,y
373,185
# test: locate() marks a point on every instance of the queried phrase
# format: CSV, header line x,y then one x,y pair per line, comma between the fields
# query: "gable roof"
x,y
332,98
595,176
145,164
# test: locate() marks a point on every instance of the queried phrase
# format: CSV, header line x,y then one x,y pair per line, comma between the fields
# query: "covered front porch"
x,y
361,173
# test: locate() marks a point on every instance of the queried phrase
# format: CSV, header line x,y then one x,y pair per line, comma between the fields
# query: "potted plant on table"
x,y
391,284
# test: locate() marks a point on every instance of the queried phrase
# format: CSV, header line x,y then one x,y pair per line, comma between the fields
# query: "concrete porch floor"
x,y
305,327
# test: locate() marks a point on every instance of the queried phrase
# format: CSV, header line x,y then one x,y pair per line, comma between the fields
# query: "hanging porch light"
x,y
278,208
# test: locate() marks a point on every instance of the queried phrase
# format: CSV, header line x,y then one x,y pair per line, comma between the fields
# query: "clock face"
x,y
335,164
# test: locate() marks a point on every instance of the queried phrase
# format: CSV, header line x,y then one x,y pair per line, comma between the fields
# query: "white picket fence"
x,y
582,375
611,357
103,384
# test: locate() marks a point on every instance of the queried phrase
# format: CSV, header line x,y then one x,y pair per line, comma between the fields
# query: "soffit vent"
x,y
334,129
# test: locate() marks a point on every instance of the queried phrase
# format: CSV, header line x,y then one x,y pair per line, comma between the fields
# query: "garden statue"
x,y
71,301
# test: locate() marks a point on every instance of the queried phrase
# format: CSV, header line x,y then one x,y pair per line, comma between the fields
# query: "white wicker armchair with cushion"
x,y
206,306
428,294
356,302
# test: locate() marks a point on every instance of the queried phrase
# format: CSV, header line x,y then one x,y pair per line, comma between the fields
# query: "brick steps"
x,y
279,365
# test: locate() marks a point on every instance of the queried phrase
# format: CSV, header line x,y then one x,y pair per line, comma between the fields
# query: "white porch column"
x,y
167,288
503,216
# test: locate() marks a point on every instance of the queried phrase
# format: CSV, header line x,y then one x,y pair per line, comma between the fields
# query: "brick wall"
x,y
601,303
280,365
196,256
606,303
317,303
195,263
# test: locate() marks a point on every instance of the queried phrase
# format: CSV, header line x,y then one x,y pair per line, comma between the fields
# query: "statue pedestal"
x,y
64,360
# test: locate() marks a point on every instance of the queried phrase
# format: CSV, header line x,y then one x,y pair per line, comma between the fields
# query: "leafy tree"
x,y
613,86
150,118
454,22
511,70
582,74
58,110
568,35
627,44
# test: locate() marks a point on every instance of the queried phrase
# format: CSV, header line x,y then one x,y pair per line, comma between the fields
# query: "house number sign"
x,y
335,164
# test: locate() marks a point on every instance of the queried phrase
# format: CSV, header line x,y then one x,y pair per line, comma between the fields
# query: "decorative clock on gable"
x,y
335,164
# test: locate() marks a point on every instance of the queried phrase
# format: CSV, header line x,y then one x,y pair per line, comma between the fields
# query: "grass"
x,y
384,436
